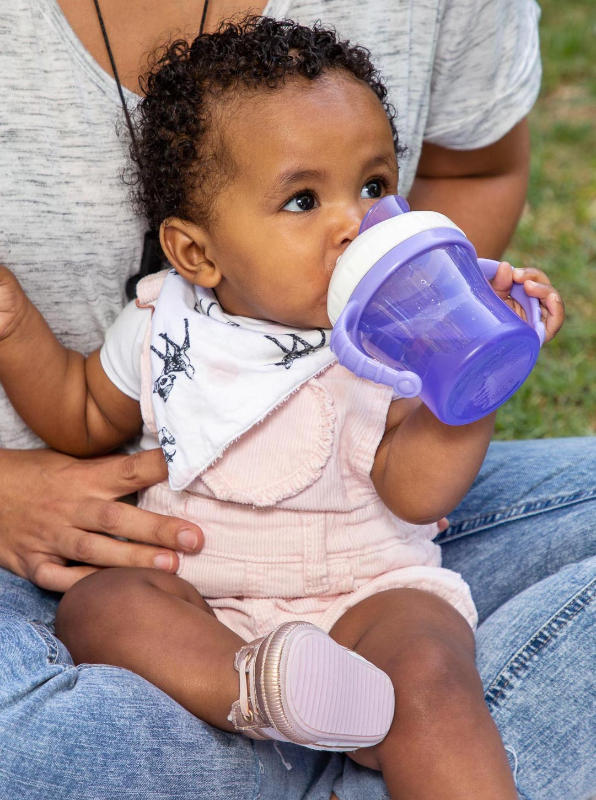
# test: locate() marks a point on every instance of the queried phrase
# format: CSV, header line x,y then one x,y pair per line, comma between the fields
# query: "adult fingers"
x,y
119,475
95,549
129,522
54,575
116,476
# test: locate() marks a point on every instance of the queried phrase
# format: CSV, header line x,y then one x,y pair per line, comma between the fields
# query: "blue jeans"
x,y
524,538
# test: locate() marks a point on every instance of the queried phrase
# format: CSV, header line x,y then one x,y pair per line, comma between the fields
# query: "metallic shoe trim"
x,y
270,679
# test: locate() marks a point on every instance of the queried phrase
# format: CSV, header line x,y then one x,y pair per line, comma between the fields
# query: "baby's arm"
x,y
65,398
423,468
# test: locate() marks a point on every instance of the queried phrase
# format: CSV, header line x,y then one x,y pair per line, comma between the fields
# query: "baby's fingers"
x,y
503,280
555,317
551,306
530,274
13,303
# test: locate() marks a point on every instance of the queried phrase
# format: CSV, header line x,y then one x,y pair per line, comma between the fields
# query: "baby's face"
x,y
311,159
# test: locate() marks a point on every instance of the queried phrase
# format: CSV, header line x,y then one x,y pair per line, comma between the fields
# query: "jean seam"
x,y
519,663
475,524
48,640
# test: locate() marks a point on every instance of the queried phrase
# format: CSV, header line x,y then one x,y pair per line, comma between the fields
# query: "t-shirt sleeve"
x,y
120,354
486,72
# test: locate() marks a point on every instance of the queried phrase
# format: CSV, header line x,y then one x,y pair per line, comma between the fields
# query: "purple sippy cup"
x,y
411,307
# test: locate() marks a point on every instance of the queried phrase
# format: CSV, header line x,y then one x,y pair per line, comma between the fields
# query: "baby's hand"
x,y
536,284
13,303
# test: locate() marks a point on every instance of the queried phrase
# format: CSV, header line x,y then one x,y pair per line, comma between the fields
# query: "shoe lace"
x,y
247,678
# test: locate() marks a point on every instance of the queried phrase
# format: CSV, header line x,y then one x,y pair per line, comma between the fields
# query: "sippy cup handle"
x,y
405,383
529,304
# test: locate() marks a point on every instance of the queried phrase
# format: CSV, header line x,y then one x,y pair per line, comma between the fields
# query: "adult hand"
x,y
54,508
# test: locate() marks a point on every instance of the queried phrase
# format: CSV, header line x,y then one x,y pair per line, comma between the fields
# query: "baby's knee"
x,y
433,674
93,604
112,600
436,685
92,598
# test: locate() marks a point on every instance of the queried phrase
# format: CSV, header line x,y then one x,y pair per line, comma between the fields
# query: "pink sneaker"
x,y
298,685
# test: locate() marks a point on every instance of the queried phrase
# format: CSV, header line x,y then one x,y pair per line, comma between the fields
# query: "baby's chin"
x,y
307,319
318,317
313,321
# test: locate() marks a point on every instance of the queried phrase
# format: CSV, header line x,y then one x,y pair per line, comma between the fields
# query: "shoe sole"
x,y
322,695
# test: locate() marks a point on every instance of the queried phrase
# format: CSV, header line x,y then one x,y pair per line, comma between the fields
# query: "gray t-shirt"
x,y
461,73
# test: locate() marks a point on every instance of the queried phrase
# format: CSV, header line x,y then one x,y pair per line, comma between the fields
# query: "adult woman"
x,y
63,161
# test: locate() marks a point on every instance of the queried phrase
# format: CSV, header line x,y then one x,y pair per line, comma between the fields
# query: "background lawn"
x,y
558,229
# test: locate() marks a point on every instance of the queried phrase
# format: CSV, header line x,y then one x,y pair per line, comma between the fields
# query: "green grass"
x,y
557,231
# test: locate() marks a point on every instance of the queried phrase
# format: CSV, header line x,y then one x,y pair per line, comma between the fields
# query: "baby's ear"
x,y
184,244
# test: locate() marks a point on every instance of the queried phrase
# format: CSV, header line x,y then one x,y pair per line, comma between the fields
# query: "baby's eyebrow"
x,y
384,160
291,177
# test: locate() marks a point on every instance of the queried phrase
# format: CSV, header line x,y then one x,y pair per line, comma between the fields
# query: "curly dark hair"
x,y
180,159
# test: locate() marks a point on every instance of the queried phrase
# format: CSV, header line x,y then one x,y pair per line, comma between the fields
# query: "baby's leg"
x,y
157,625
443,741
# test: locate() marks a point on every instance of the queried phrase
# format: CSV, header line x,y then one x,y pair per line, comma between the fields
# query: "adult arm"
x,y
53,508
475,157
483,190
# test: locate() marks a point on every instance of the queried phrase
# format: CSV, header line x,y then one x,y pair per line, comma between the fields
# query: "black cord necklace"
x,y
152,258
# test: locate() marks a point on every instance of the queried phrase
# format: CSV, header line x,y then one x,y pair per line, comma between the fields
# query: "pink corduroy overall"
x,y
293,526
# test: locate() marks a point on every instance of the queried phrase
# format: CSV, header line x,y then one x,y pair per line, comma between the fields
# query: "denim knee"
x,y
29,656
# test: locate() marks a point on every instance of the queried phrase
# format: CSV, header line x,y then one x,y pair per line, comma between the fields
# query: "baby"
x,y
317,611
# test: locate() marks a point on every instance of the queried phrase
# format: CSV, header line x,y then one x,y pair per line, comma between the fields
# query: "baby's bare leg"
x,y
443,741
157,625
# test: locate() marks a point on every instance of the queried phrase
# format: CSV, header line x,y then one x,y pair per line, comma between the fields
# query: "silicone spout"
x,y
391,206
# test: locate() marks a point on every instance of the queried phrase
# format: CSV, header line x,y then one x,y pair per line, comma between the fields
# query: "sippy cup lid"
x,y
386,225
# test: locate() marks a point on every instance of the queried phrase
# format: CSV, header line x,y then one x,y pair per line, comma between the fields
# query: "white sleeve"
x,y
486,73
120,354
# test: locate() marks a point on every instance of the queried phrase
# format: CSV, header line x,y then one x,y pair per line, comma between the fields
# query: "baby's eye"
x,y
301,202
372,190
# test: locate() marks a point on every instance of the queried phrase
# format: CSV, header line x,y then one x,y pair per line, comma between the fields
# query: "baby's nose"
x,y
350,225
